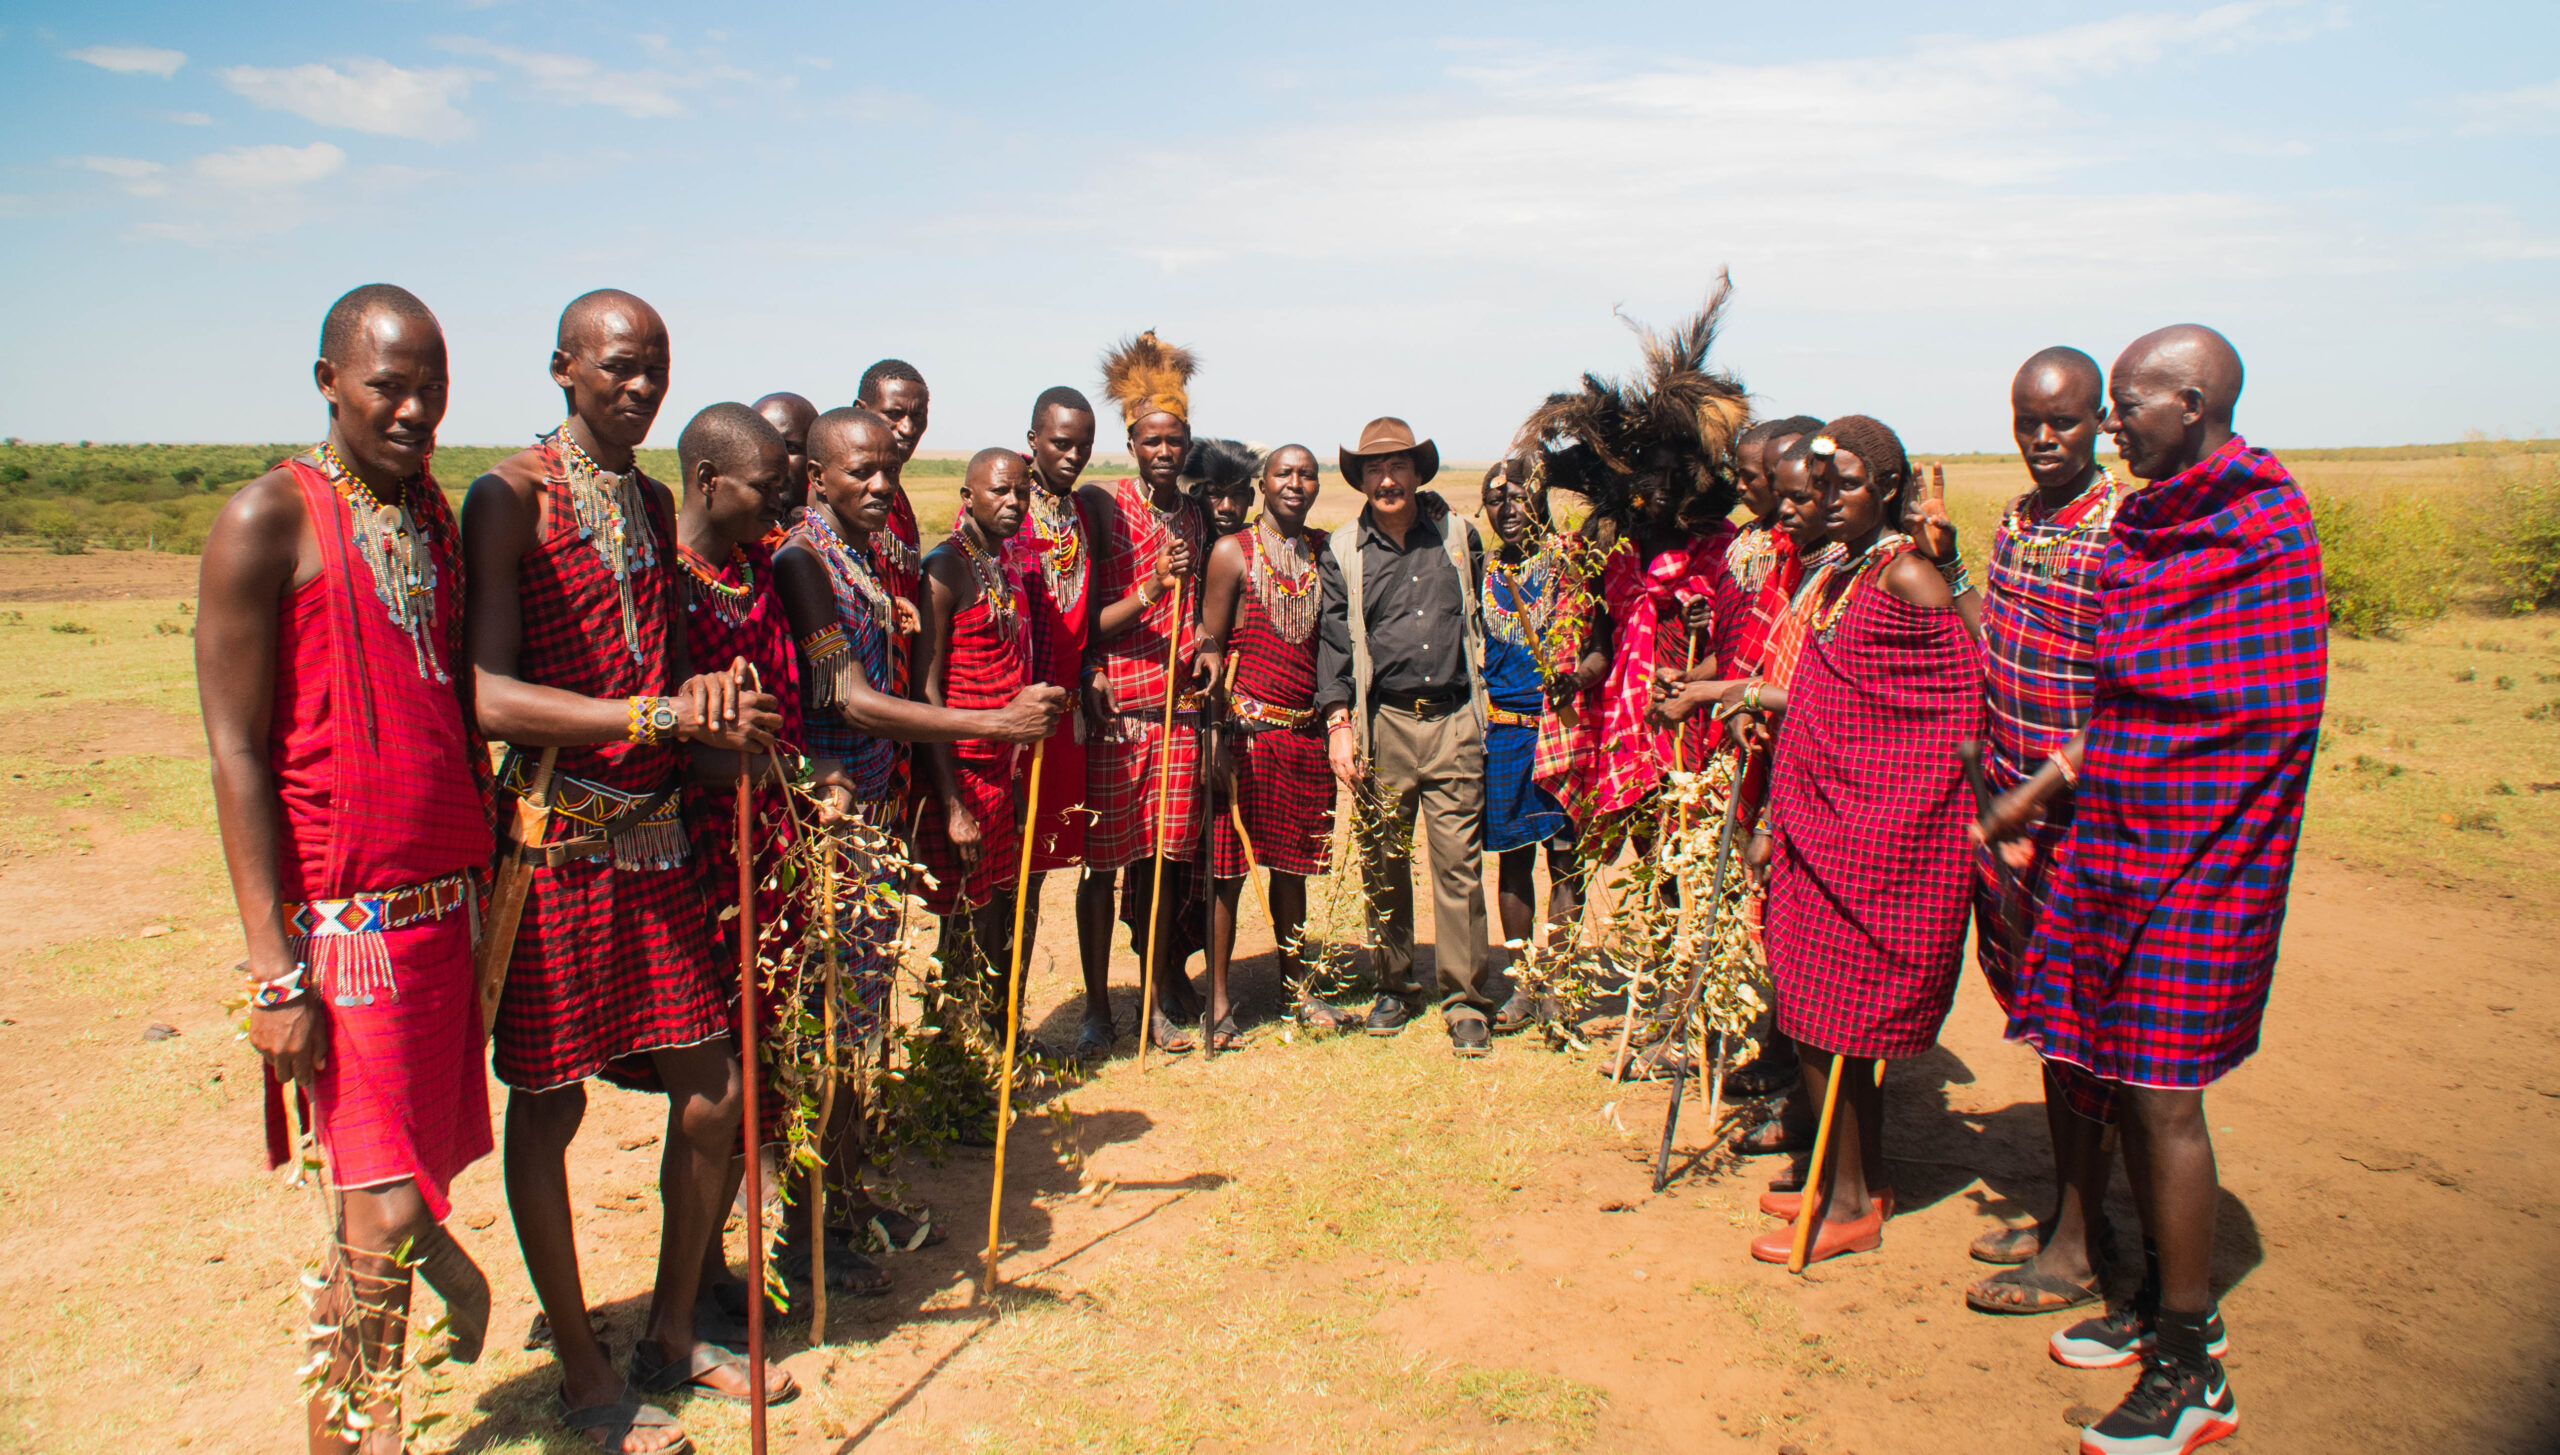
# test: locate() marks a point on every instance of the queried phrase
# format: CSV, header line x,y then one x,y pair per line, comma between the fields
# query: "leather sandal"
x,y
2022,1290
608,1426
686,1376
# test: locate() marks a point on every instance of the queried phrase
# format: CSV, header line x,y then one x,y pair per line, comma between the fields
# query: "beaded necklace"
x,y
2038,547
1860,569
394,553
1062,563
854,566
1753,552
1524,622
606,506
994,586
732,604
1287,592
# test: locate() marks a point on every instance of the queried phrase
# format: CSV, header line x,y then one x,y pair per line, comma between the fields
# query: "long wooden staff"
x,y
1808,1212
1164,805
1012,1016
1697,981
2012,907
755,1158
833,947
506,896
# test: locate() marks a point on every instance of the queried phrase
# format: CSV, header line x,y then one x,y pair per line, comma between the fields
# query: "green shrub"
x,y
2389,562
2529,554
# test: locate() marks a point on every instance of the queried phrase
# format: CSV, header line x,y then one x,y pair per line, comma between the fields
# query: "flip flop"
x,y
614,1423
657,1378
1094,1042
1171,1037
2038,1293
2008,1247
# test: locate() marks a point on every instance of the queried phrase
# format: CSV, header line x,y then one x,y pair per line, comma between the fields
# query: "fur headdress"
x,y
1145,375
1678,417
1219,465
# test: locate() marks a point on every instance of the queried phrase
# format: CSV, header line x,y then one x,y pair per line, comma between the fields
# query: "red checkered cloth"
x,y
1646,598
2153,965
373,761
1121,771
609,963
1284,780
989,661
2040,668
1053,554
1872,877
898,551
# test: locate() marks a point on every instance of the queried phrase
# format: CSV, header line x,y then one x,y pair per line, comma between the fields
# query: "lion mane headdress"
x,y
1145,375
1679,417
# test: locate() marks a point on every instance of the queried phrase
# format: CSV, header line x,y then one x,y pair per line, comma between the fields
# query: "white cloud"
x,y
140,178
133,60
367,95
190,118
578,81
2526,108
1954,171
270,168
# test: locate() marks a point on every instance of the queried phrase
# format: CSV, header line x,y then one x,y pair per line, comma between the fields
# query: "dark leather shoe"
x,y
1388,1016
1469,1035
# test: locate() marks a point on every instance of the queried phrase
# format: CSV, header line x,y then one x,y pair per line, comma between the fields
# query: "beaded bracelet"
x,y
2062,765
637,731
1959,580
1751,695
279,992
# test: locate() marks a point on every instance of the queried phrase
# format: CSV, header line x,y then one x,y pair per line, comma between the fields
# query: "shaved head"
x,y
730,436
2062,369
2188,356
982,465
2170,399
830,430
789,414
345,323
601,314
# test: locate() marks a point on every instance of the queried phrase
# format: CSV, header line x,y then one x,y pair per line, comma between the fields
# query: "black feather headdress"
x,y
1672,428
1219,465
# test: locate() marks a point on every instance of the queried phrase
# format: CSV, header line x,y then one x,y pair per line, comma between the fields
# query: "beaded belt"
x,y
1505,717
633,830
367,914
1268,717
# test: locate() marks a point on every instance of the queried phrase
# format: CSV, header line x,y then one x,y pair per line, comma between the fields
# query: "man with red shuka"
x,y
1142,784
893,390
2150,971
329,660
976,653
573,624
790,415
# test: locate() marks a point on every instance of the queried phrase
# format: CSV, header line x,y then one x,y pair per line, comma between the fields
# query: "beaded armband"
x,y
282,991
2062,765
1959,580
825,644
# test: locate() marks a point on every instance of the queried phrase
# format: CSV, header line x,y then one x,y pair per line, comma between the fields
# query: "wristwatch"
x,y
661,720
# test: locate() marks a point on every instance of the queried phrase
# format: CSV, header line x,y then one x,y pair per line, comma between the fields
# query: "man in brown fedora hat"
x,y
1400,685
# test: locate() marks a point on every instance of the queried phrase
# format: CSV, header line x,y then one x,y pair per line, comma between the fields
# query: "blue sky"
x,y
1430,210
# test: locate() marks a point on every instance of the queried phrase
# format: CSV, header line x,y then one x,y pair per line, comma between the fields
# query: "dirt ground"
x,y
1350,1245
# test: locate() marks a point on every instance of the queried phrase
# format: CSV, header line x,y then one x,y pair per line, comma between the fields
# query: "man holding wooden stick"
x,y
1142,685
329,659
574,643
2151,970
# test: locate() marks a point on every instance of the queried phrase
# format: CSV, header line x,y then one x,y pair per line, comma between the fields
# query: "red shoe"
x,y
1830,1239
1785,1204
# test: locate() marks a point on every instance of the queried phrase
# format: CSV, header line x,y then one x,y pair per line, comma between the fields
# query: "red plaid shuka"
x,y
610,963
1872,877
1284,780
1646,599
373,765
2153,965
1121,770
2040,668
989,661
1052,555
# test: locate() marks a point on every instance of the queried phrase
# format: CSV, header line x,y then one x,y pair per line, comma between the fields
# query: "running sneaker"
x,y
2170,1411
2121,1336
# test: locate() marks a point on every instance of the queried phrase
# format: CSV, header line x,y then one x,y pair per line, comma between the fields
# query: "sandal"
x,y
1518,1013
1317,1015
847,1270
1094,1042
608,1426
2006,1247
1760,1078
2025,1291
1171,1038
1226,1037
1771,1138
657,1378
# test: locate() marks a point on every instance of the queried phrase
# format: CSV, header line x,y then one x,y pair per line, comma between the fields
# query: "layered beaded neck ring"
x,y
993,585
612,518
394,551
1283,573
1860,569
730,603
1062,563
1524,619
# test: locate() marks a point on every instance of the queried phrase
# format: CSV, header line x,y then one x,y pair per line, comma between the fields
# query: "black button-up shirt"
x,y
1416,609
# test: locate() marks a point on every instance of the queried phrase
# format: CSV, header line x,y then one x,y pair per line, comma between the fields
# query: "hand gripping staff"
x,y
1697,982
1012,1017
1164,802
752,1064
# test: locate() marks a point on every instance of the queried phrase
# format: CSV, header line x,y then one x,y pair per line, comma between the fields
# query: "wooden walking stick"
x,y
1697,981
755,1150
826,1095
1809,1211
506,896
1164,802
1012,1016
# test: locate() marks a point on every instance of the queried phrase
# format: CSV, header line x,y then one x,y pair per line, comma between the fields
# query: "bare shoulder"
x,y
1228,553
945,564
1913,579
270,503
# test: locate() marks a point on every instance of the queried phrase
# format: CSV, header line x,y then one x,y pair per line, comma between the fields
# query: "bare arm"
x,y
809,599
1220,597
261,546
947,590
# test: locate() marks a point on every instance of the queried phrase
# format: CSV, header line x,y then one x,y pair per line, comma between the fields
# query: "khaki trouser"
x,y
1435,771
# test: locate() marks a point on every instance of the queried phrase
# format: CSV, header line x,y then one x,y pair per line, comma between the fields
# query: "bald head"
x,y
997,494
348,316
2171,397
606,312
984,464
837,430
789,414
2065,372
729,437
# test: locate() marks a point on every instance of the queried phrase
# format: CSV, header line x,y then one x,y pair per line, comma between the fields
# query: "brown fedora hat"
x,y
1388,435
